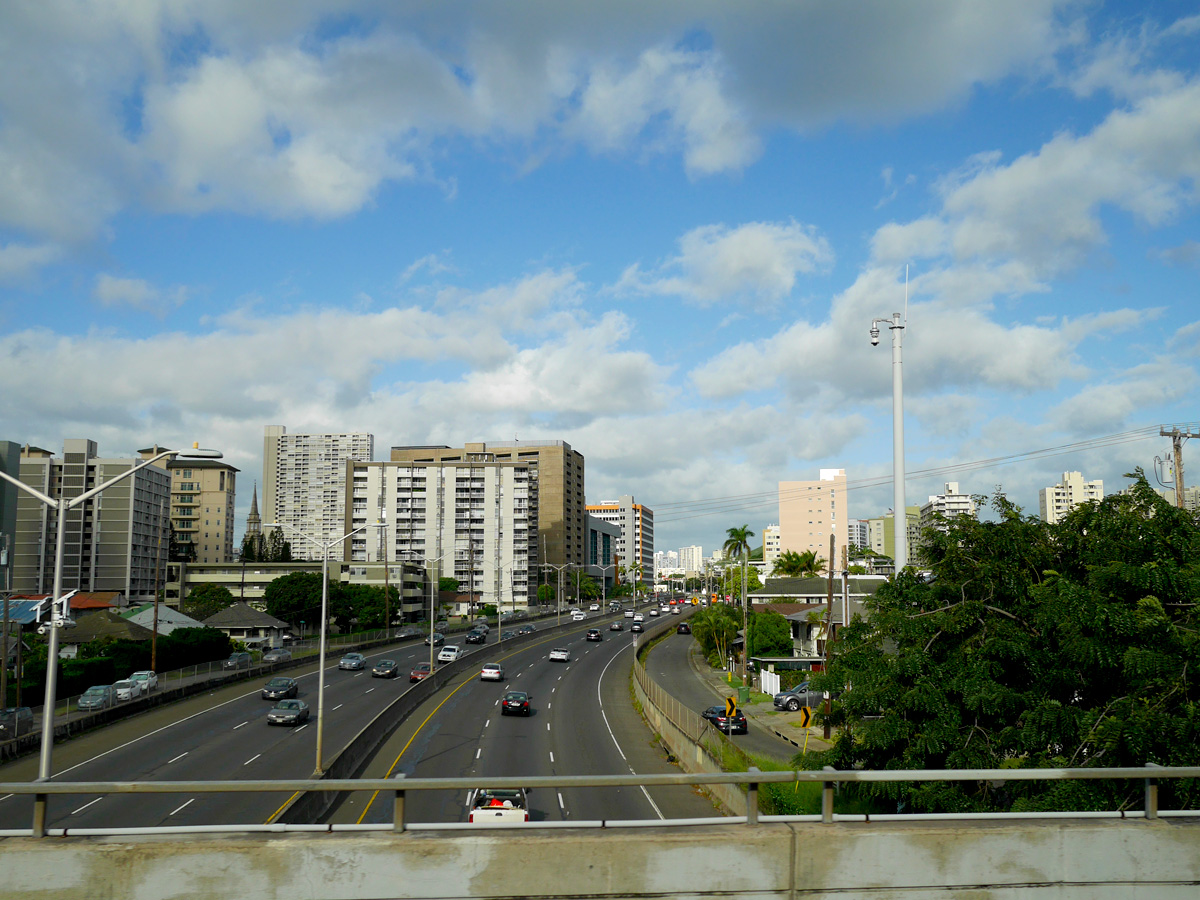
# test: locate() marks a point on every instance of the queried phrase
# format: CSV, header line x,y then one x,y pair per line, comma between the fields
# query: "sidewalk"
x,y
784,726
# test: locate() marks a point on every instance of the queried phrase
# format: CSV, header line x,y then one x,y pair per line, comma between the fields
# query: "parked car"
x,y
148,679
560,654
15,721
593,634
449,653
637,628
491,672
127,689
238,660
278,655
795,697
420,672
735,724
437,638
683,628
616,626
475,637
516,703
280,688
385,668
288,712
98,696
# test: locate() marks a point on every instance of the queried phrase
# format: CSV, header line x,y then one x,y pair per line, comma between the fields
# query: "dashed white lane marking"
x,y
86,805
236,727
252,759
487,723
551,758
603,715
478,751
547,726
178,758
339,706
181,808
368,690
561,805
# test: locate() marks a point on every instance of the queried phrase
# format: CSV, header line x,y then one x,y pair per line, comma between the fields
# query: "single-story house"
x,y
244,623
169,618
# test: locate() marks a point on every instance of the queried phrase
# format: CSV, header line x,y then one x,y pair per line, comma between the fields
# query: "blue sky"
x,y
656,231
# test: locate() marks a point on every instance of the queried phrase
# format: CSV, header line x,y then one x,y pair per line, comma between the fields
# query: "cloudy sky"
x,y
659,232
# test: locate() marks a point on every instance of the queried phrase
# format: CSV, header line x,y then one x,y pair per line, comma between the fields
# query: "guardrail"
x,y
401,785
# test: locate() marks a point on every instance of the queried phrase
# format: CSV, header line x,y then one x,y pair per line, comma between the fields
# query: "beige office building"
x,y
1056,501
811,511
304,484
203,492
562,535
111,541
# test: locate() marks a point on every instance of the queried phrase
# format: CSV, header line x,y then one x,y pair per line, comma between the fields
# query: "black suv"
x,y
593,634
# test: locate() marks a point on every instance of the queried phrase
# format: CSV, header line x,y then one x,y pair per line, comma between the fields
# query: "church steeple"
x,y
254,520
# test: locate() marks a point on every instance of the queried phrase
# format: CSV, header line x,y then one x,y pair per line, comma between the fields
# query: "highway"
x,y
582,723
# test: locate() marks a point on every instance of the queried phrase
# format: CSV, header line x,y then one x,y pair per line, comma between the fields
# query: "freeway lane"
x,y
583,723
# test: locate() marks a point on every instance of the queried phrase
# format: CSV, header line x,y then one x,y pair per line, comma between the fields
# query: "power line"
x,y
695,509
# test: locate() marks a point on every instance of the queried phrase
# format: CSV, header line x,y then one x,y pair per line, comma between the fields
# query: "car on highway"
x,y
449,653
616,626
795,697
409,632
127,689
15,721
288,712
481,625
578,616
595,607
277,655
476,637
677,610
683,628
665,609
654,610
560,654
280,688
516,703
593,634
437,639
507,635
487,806
420,672
629,614
98,696
527,628
637,628
385,668
352,662
148,679
638,617
491,672
238,660
735,724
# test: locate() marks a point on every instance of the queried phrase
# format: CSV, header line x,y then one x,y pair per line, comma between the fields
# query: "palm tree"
x,y
737,543
798,565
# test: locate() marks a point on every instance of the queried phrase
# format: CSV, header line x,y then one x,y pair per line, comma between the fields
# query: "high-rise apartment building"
x,y
635,547
1056,501
203,492
304,483
10,464
474,520
860,533
811,511
561,535
112,541
948,504
882,535
772,546
691,559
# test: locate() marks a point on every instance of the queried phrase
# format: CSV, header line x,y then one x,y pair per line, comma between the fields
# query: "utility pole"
x,y
1177,437
829,623
157,580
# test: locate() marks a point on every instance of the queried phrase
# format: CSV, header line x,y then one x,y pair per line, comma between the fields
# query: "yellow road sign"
x,y
730,706
805,717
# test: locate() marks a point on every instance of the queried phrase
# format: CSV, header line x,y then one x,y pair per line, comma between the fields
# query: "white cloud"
x,y
137,293
756,264
20,261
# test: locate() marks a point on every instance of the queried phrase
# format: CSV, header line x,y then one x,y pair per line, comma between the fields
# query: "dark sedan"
x,y
288,712
516,703
279,688
593,634
385,668
735,724
637,627
683,628
507,635
475,637
438,639
526,629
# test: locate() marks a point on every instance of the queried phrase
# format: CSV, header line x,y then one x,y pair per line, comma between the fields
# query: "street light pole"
x,y
63,506
325,547
900,511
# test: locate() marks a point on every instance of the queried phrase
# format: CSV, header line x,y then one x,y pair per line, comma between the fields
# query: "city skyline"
x,y
657,234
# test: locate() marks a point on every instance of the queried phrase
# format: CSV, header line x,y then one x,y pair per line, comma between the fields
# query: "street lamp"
x,y
63,506
604,584
899,512
558,596
325,548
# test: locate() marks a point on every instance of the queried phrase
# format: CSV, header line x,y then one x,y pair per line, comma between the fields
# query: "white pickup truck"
x,y
497,807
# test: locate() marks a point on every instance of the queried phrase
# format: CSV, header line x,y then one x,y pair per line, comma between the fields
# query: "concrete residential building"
x,y
304,483
860,534
810,511
691,559
949,504
882,536
560,484
112,540
10,464
636,544
772,546
203,493
480,517
1056,501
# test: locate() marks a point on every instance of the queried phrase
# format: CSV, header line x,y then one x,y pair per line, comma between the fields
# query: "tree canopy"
x,y
295,598
770,635
798,565
205,600
1031,645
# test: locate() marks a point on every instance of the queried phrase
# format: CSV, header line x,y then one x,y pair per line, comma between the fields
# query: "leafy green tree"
x,y
296,597
278,548
254,548
770,634
177,550
448,583
798,565
205,600
545,595
1032,646
715,628
589,589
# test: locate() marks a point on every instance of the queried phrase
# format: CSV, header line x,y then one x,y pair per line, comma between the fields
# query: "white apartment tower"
x,y
636,544
1055,502
772,546
304,483
691,559
949,504
811,511
474,520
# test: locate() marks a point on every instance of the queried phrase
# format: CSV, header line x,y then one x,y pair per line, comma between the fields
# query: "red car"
x,y
420,672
